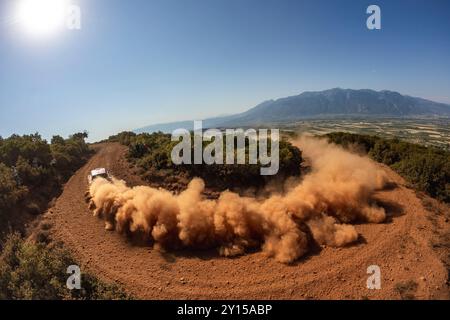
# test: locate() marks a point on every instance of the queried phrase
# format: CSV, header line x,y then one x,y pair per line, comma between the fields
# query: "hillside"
x,y
322,104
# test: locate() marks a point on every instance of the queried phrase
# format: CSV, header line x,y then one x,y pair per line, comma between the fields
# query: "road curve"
x,y
401,248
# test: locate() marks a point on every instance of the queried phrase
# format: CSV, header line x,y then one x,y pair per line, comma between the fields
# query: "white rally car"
x,y
98,173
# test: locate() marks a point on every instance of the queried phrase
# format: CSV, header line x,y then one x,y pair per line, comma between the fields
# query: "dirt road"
x,y
401,248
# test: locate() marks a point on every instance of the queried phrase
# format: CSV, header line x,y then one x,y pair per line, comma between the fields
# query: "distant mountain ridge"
x,y
335,102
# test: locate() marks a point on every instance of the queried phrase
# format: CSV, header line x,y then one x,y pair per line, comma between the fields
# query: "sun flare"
x,y
41,17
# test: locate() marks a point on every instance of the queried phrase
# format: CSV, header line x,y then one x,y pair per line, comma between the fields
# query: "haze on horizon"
x,y
165,60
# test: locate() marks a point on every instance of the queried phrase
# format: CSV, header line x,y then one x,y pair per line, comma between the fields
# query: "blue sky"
x,y
141,62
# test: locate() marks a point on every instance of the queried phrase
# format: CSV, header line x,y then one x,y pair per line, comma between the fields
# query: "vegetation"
x,y
426,168
407,289
152,153
36,270
32,171
423,131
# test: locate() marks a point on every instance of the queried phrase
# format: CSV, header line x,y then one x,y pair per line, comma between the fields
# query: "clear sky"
x,y
140,62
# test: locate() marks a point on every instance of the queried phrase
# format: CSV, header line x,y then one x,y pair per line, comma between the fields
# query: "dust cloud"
x,y
319,207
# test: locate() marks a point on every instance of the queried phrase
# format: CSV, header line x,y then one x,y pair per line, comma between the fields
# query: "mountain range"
x,y
332,103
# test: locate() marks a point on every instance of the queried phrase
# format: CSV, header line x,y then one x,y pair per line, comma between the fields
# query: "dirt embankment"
x,y
401,247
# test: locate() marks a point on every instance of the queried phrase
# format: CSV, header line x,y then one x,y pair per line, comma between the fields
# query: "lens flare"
x,y
41,17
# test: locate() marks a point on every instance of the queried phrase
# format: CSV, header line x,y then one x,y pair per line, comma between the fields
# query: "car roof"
x,y
98,171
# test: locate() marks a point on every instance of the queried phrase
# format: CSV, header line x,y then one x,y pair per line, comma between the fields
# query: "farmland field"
x,y
435,132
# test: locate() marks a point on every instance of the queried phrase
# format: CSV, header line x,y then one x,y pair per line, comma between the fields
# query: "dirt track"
x,y
400,247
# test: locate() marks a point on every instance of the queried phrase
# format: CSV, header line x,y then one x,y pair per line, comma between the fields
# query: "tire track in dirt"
x,y
400,247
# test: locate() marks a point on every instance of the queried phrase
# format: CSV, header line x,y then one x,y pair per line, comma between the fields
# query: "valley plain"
x,y
429,132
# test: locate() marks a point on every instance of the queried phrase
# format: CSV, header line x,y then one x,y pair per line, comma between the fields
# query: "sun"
x,y
41,17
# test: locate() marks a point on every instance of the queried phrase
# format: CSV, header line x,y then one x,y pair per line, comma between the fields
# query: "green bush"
x,y
152,153
30,270
32,148
32,170
10,192
125,138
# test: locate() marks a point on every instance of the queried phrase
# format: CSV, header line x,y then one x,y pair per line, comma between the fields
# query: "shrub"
x,y
125,138
10,191
30,270
152,153
32,171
